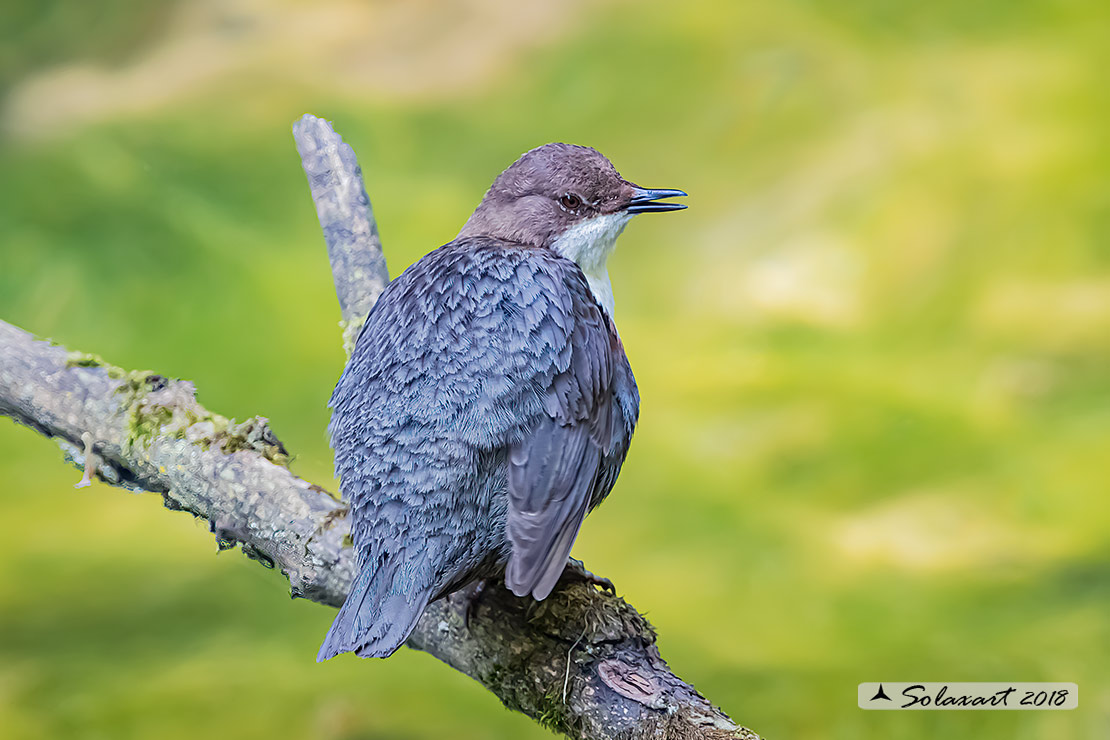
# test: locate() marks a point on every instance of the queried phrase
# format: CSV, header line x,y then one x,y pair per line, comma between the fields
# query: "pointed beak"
x,y
646,200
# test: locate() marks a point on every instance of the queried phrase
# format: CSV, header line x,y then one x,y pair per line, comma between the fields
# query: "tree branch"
x,y
582,662
347,219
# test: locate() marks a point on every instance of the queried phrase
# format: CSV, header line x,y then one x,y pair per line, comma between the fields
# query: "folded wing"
x,y
568,462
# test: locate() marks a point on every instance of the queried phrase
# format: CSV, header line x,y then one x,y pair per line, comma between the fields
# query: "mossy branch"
x,y
583,662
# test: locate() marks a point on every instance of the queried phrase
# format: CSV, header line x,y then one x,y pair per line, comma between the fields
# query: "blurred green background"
x,y
874,354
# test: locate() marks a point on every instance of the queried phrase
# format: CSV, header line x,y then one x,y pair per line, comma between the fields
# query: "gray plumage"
x,y
488,404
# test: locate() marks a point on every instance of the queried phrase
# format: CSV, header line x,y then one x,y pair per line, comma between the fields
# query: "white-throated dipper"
x,y
488,403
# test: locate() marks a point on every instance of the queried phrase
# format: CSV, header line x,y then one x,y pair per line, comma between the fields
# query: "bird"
x,y
488,403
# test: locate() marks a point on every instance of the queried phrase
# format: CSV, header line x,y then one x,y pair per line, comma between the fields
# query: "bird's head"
x,y
569,199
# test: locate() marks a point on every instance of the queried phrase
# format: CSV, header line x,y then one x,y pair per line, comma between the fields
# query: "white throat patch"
x,y
589,244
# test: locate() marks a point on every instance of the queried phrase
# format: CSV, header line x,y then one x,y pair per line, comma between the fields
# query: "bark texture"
x,y
347,220
582,662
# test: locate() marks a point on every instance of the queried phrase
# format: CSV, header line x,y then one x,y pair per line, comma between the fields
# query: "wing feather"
x,y
556,473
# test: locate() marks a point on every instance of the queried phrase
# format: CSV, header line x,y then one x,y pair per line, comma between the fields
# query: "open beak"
x,y
646,200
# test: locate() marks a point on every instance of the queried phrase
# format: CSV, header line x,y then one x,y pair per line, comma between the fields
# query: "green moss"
x,y
552,713
138,383
177,413
350,329
144,421
253,434
144,426
580,609
548,708
87,359
83,359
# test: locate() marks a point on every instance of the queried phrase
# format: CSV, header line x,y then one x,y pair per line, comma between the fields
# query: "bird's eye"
x,y
570,201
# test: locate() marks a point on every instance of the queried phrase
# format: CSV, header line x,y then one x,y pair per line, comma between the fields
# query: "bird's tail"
x,y
378,615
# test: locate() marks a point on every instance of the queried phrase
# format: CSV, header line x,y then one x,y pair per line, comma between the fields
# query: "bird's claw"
x,y
470,596
577,571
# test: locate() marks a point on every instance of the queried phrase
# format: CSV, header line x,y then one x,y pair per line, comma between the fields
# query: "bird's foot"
x,y
470,596
575,570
